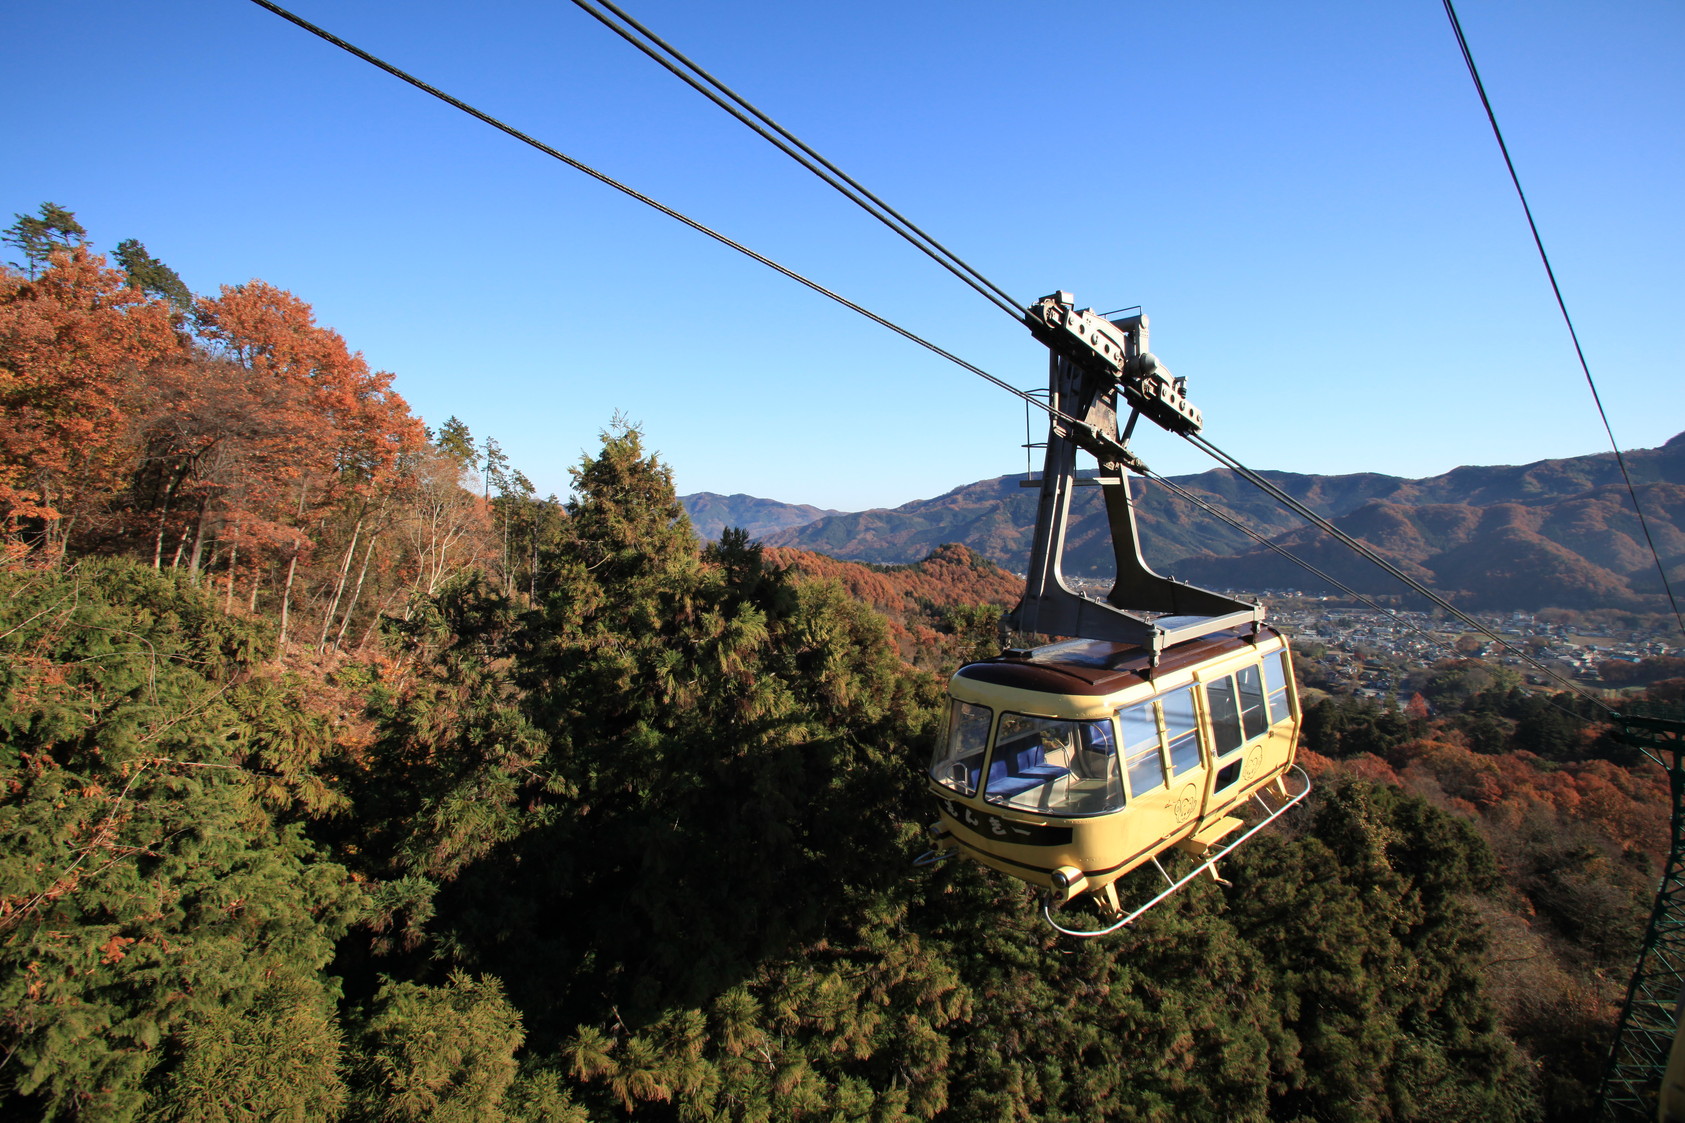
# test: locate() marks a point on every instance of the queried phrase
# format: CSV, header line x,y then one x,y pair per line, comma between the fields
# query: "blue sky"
x,y
1306,199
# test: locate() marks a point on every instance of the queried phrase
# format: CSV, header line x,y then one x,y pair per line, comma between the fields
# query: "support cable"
x,y
609,181
1363,548
1538,242
1217,512
787,142
1029,399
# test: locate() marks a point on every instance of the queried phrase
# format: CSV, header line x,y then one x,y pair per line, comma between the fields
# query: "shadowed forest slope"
x,y
642,847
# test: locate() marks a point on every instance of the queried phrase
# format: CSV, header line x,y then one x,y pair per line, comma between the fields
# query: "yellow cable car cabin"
x,y
1072,764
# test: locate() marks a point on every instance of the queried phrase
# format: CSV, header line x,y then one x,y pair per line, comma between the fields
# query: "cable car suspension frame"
x,y
1096,366
1052,810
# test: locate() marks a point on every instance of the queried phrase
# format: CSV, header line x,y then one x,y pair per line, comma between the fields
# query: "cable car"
x,y
1070,764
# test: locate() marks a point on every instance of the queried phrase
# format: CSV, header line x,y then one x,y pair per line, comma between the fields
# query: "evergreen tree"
x,y
40,236
1378,961
455,441
1343,727
494,469
439,1054
163,918
152,276
277,1057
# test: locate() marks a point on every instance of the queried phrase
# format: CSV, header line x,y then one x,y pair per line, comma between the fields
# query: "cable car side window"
x,y
959,755
1141,747
1275,682
1181,730
1225,716
1254,720
1054,766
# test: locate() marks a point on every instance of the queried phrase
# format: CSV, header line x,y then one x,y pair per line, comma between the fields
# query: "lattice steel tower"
x,y
1638,1058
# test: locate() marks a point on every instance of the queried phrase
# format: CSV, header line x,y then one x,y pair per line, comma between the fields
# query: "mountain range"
x,y
710,514
1551,533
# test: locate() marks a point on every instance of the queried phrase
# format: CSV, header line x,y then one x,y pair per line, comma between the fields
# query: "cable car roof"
x,y
1098,667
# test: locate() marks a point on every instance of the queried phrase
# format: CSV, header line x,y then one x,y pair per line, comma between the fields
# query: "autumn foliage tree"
x,y
74,343
942,611
351,432
210,438
243,444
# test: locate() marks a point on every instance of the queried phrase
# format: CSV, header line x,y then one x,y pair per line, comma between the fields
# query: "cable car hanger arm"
x,y
1116,350
1097,366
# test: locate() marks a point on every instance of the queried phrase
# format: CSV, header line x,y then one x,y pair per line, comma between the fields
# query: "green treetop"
x,y
456,442
39,236
152,276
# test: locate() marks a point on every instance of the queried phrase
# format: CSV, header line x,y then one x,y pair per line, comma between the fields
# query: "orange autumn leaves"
x,y
73,344
928,605
1628,807
122,420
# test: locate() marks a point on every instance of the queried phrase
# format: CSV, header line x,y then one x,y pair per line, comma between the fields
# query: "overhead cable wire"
x,y
1562,306
1217,512
1263,540
725,240
863,197
1364,549
609,181
791,145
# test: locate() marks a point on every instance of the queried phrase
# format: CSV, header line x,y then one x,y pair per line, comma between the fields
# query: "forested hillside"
x,y
342,778
941,611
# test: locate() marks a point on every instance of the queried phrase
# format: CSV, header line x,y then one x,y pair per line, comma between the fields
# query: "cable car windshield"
x,y
959,754
1054,766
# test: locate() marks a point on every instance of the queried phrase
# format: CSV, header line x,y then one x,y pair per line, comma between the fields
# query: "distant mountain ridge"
x,y
710,514
1554,532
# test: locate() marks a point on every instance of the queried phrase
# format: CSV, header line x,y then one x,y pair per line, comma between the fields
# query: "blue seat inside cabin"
x,y
1019,766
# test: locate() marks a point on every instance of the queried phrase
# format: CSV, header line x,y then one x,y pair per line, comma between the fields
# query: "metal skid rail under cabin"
x,y
1070,765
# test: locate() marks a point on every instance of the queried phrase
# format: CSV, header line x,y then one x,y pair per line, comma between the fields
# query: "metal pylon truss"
x,y
1632,1075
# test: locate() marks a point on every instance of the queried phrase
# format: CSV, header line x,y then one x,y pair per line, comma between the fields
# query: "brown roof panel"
x,y
1095,667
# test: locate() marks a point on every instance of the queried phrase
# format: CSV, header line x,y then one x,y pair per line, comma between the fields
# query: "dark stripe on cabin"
x,y
995,856
1000,829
